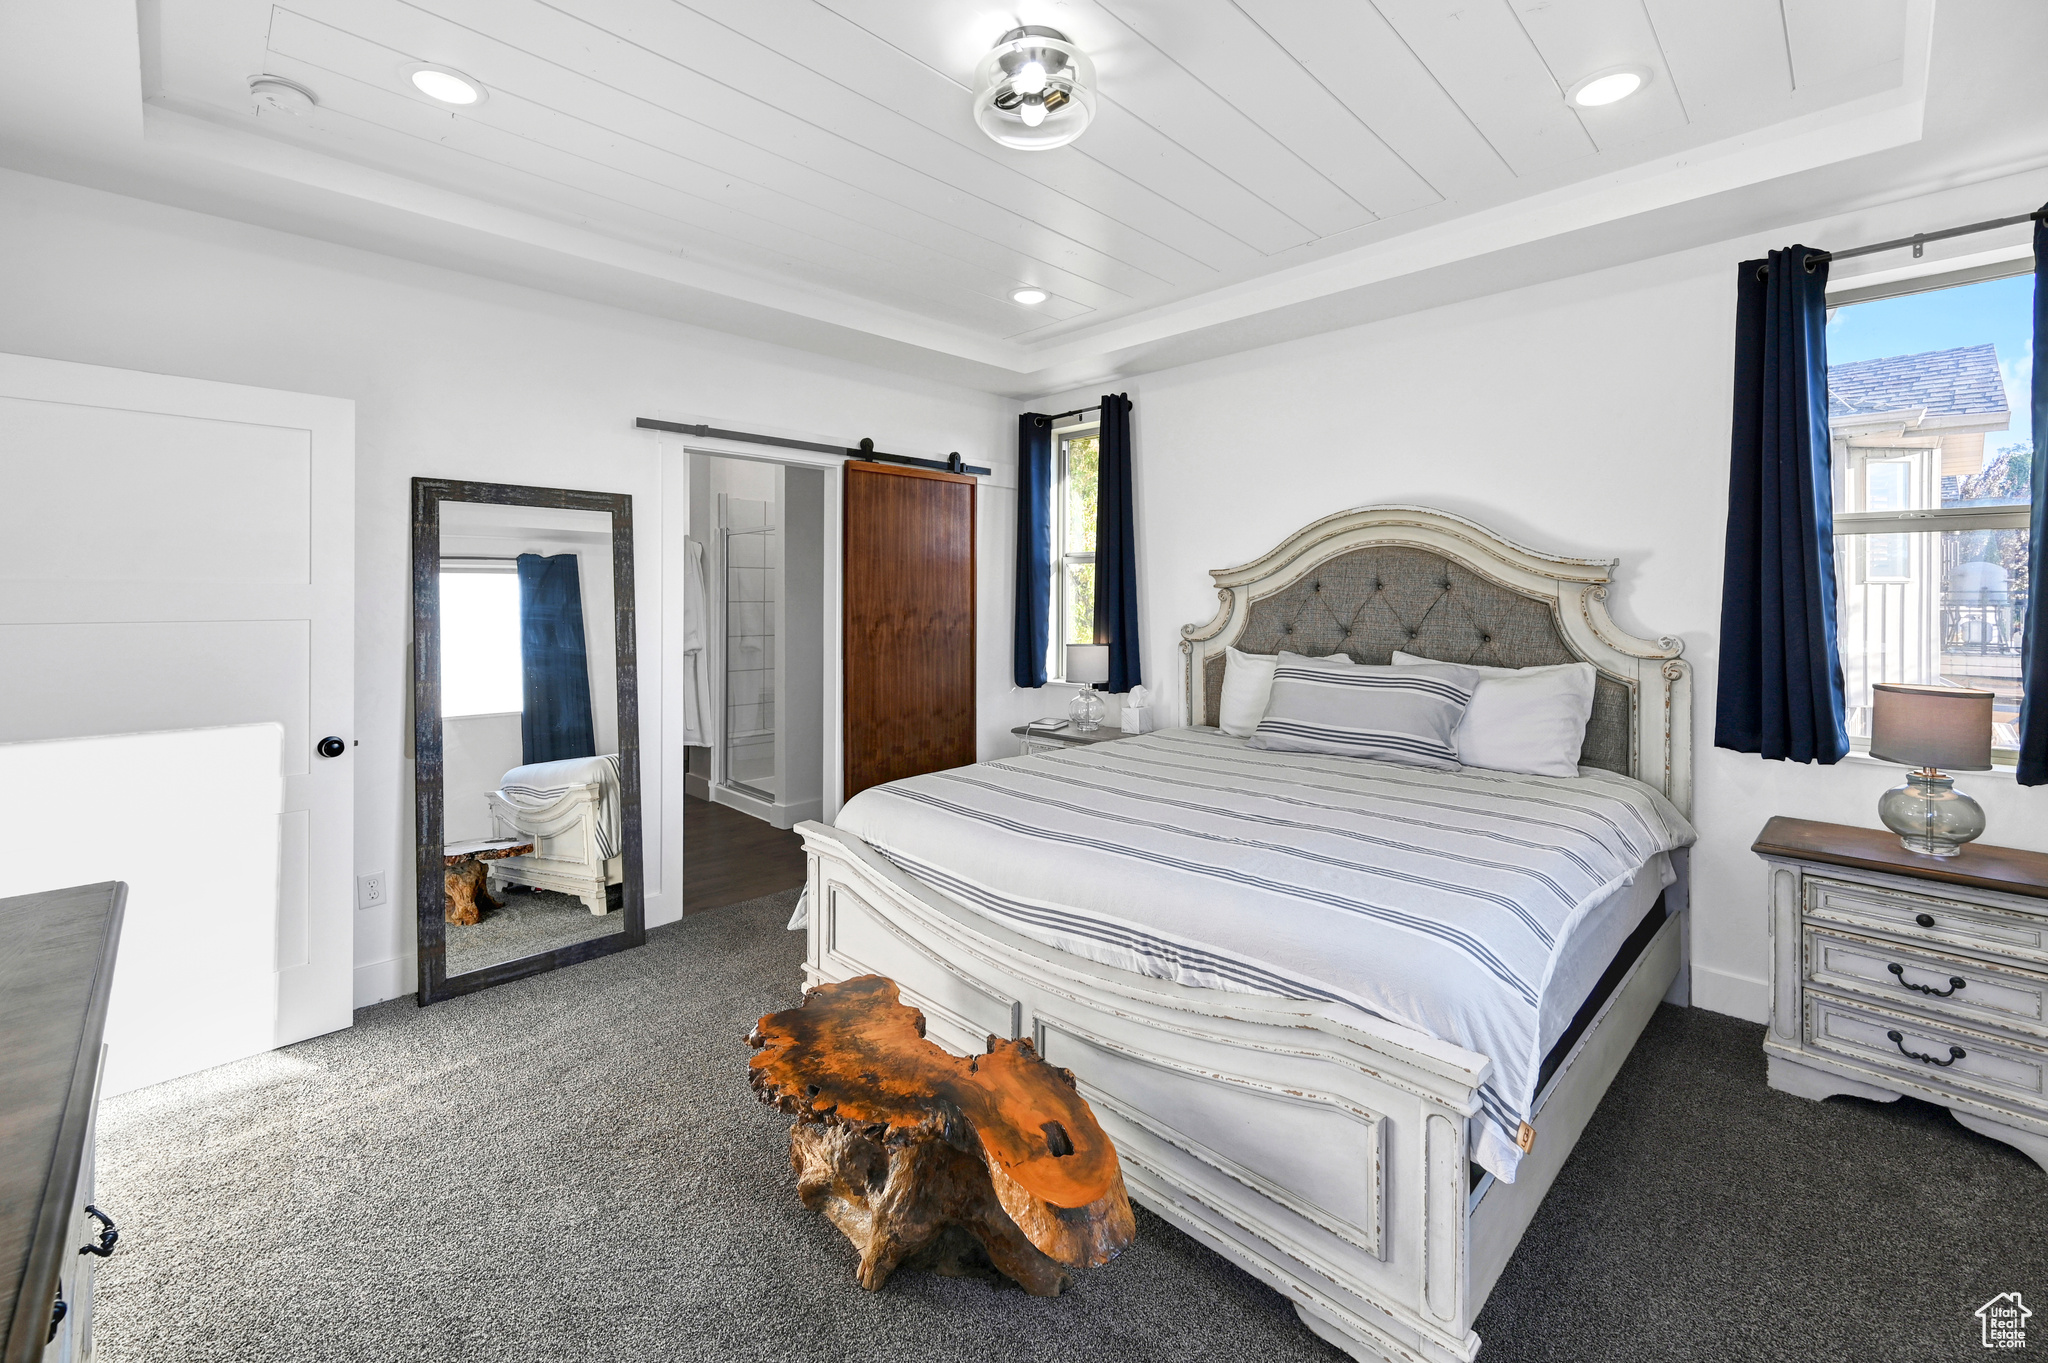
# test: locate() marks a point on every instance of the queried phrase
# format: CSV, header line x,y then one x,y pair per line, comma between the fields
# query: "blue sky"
x,y
1998,310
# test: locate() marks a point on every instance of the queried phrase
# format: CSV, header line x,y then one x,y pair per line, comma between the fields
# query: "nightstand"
x,y
1064,738
1894,973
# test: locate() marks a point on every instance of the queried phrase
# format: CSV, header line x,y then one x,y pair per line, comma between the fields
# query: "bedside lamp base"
x,y
1930,815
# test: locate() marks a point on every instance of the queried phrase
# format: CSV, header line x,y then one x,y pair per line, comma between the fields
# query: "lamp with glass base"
x,y
1931,727
1087,664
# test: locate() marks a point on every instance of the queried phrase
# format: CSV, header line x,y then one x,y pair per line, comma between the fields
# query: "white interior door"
x,y
179,555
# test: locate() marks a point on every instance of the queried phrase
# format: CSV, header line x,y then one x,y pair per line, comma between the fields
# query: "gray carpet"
x,y
531,921
572,1167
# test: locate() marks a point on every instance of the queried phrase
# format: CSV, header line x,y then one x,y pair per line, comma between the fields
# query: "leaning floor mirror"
x,y
525,731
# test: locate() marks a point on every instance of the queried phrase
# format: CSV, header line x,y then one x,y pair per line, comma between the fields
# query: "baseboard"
x,y
696,787
377,981
768,811
1722,991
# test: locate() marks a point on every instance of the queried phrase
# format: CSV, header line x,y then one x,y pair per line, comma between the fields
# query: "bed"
x,y
569,810
1247,957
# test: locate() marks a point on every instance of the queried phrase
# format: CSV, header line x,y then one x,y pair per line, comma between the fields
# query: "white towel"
x,y
696,657
540,784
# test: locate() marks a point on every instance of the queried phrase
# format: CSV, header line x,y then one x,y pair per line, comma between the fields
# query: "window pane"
x,y
480,668
1953,618
1082,465
1080,599
1889,481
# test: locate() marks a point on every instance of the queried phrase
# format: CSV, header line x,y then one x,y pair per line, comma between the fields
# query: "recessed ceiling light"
x,y
444,86
1030,298
1608,87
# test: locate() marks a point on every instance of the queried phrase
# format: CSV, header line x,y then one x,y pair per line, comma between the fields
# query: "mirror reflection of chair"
x,y
525,732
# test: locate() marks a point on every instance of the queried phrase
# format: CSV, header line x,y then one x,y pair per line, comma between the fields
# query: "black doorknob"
x,y
331,746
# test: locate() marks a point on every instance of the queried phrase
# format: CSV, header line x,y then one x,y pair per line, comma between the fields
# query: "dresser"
x,y
1894,973
55,977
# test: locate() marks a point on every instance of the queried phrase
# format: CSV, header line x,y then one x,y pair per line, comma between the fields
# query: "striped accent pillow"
x,y
1407,715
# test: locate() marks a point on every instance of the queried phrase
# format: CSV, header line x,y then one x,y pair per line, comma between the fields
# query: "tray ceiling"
x,y
818,158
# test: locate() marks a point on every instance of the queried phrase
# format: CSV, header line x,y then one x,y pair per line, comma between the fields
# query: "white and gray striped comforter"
x,y
1440,900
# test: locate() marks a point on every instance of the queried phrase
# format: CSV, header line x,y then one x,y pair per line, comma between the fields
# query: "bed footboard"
x,y
1323,1151
566,856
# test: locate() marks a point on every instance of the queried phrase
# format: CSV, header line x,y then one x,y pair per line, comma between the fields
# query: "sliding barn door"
x,y
909,638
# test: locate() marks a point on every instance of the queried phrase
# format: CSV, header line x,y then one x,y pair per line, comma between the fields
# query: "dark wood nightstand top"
x,y
1875,849
1069,735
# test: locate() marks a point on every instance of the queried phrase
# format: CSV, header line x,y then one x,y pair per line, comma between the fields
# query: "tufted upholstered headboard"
x,y
1367,582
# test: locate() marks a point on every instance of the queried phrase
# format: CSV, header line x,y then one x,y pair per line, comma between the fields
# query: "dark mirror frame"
x,y
428,828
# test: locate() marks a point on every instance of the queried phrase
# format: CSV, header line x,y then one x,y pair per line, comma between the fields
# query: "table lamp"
x,y
1087,664
1931,727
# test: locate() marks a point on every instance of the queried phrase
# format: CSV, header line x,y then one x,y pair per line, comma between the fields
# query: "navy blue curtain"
x,y
2034,640
1034,549
1116,549
554,668
1780,689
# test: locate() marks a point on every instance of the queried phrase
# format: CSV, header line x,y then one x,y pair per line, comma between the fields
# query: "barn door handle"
x,y
331,746
103,1245
1955,982
1955,1053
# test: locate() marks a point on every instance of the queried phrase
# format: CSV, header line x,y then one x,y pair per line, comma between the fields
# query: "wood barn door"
x,y
909,637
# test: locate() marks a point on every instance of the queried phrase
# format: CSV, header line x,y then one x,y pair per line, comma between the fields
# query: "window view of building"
x,y
1074,586
1931,463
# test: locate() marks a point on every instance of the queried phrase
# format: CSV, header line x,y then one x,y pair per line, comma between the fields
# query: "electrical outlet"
x,y
371,891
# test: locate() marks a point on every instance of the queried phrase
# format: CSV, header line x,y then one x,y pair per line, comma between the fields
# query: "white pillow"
x,y
1247,688
1524,719
1388,714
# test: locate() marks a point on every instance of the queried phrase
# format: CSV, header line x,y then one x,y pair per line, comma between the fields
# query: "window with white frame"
x,y
1076,463
1931,452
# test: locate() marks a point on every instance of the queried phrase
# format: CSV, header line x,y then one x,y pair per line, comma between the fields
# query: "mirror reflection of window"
x,y
480,667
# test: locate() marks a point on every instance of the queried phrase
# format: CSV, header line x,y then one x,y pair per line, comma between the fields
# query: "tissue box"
x,y
1136,719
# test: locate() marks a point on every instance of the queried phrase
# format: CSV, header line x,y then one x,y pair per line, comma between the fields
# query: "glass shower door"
x,y
750,596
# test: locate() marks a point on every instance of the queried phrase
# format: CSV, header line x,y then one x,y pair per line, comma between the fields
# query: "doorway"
x,y
758,758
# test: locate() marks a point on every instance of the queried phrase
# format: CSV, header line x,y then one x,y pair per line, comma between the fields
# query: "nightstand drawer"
x,y
1971,927
1918,977
1896,1042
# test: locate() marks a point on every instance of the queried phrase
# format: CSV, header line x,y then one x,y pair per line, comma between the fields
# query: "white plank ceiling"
x,y
827,147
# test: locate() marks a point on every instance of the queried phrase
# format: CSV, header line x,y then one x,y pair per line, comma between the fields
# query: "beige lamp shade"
x,y
1931,726
1088,662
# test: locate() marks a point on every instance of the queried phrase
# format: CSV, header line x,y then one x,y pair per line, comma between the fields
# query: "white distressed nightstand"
x,y
1894,973
1063,738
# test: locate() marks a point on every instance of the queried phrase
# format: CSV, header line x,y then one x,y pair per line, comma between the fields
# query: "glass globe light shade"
x,y
1035,90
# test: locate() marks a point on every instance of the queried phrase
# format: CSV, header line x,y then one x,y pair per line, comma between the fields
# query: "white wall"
x,y
453,377
1589,416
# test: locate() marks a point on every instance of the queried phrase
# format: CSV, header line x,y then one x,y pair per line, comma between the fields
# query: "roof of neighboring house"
x,y
1958,382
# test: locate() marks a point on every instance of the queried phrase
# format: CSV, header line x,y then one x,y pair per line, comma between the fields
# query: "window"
x,y
480,667
1931,449
1076,466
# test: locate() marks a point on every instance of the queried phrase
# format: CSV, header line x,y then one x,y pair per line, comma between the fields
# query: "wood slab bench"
x,y
464,880
963,1163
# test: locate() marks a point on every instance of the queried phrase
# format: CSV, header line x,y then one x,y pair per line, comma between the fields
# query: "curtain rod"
x,y
1916,241
1062,416
865,450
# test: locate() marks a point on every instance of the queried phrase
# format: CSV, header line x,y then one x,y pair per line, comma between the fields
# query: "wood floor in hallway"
x,y
729,856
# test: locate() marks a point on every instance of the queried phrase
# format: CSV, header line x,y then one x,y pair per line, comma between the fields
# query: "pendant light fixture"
x,y
1036,90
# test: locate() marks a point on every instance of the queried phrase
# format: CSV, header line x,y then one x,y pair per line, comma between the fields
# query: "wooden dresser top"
x,y
2005,869
55,976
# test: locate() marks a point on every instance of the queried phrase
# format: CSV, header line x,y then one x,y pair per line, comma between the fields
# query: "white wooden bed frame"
x,y
1319,1149
566,856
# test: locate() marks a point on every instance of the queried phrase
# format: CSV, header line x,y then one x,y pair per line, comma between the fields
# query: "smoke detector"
x,y
276,95
1035,91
